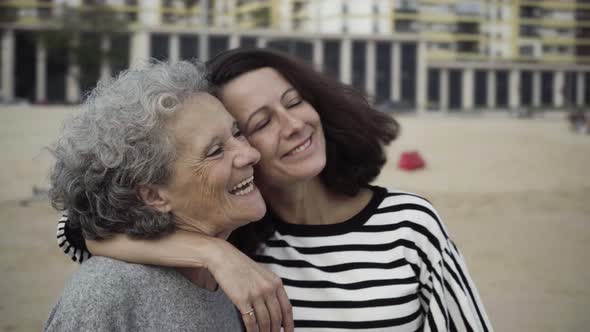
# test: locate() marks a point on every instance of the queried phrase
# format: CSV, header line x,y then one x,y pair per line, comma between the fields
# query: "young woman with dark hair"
x,y
355,134
350,255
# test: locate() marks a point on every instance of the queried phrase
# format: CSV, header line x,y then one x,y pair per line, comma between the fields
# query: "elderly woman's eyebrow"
x,y
212,142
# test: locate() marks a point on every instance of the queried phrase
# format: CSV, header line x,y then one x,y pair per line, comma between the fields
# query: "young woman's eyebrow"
x,y
286,92
261,109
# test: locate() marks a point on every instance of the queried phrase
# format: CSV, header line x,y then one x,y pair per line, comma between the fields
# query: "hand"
x,y
250,286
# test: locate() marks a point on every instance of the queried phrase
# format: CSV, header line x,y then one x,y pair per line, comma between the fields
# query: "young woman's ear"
x,y
154,197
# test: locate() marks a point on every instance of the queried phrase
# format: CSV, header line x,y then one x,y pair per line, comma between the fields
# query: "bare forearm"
x,y
180,249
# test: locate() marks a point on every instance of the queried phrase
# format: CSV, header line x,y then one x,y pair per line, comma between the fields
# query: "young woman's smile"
x,y
279,123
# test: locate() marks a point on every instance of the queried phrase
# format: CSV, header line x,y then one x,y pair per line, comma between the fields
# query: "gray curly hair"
x,y
118,142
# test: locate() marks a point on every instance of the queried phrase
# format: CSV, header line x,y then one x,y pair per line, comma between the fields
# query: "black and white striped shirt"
x,y
392,267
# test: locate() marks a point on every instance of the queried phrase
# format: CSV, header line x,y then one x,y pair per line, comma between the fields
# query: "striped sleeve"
x,y
452,302
71,241
448,295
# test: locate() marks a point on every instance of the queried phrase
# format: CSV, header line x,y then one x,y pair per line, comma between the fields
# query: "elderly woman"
x,y
151,153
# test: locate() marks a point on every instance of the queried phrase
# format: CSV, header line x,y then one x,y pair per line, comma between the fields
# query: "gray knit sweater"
x,y
110,295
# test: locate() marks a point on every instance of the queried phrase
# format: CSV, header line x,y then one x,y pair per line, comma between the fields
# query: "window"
x,y
526,88
527,50
332,58
359,64
481,86
383,71
159,46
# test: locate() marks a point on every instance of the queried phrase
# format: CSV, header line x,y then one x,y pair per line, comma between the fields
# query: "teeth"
x,y
243,187
245,191
301,147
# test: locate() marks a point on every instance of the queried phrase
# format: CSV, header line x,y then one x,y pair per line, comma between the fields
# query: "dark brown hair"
x,y
356,134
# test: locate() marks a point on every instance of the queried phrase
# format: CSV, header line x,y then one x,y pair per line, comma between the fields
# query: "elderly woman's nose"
x,y
246,155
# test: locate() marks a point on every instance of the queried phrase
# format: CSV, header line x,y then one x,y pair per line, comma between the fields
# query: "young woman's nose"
x,y
290,124
246,155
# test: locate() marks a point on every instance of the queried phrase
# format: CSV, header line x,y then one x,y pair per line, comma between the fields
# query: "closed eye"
x,y
260,125
238,133
295,103
214,151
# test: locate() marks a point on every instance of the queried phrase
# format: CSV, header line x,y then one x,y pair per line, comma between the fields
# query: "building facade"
x,y
429,55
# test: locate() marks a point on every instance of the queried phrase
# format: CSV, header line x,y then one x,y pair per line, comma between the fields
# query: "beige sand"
x,y
515,195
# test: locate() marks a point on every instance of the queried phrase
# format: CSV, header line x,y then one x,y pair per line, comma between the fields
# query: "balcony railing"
x,y
40,12
468,28
529,31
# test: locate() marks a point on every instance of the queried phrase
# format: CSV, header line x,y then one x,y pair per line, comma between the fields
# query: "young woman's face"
x,y
280,124
211,188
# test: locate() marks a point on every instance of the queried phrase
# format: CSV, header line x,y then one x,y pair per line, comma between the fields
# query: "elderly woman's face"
x,y
279,123
212,188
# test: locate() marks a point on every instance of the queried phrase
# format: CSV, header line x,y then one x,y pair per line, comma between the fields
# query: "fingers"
x,y
262,315
250,286
286,309
277,305
269,313
249,318
274,309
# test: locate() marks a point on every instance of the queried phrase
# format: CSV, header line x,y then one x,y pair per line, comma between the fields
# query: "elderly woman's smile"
x,y
214,164
244,187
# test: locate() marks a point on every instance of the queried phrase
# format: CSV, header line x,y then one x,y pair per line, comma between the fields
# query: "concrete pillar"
x,y
371,66
204,35
536,88
261,42
396,71
73,78
468,89
421,77
318,54
514,89
140,48
8,64
491,93
174,47
150,12
234,41
41,72
105,65
558,89
346,61
443,83
581,88
73,83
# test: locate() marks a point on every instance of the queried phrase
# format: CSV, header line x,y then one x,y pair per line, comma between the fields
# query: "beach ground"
x,y
514,194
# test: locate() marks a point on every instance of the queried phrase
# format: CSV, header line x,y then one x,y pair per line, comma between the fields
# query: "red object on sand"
x,y
411,161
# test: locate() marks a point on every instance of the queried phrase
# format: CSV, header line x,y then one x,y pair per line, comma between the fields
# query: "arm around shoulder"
x,y
179,249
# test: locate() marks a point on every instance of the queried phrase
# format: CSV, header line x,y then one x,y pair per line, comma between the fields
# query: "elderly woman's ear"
x,y
155,197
